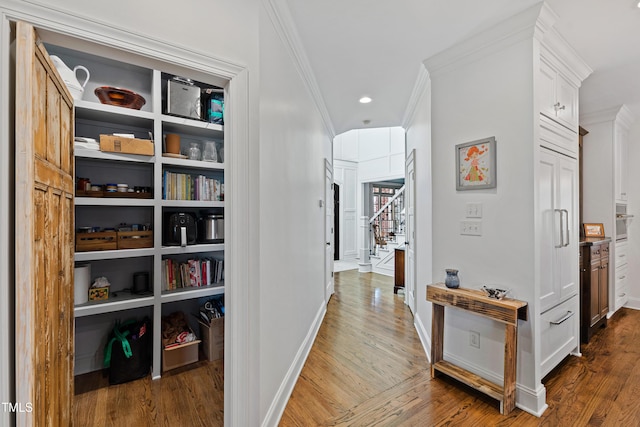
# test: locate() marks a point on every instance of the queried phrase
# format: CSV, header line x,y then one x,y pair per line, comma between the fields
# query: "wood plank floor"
x,y
367,368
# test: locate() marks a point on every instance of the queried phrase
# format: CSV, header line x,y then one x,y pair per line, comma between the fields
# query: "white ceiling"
x,y
375,48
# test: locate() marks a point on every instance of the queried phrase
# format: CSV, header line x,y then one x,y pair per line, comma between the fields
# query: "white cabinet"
x,y
94,319
558,216
557,95
621,166
620,283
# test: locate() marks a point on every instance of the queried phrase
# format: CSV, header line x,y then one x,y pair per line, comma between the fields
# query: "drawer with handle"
x,y
558,333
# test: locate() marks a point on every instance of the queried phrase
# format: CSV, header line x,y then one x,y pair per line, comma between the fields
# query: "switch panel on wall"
x,y
474,210
471,228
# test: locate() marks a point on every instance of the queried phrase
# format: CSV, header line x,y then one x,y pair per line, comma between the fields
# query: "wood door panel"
x,y
44,236
39,105
53,123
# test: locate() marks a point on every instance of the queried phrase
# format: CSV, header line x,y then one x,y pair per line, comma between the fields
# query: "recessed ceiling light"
x,y
365,100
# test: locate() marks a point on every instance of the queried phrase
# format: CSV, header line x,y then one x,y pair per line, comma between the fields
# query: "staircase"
x,y
386,234
383,258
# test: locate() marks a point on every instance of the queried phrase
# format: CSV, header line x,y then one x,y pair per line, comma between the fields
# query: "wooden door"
x,y
44,236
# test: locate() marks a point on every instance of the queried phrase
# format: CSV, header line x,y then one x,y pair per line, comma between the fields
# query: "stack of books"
x,y
191,273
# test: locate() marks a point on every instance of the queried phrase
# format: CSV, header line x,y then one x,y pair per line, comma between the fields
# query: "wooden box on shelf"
x,y
135,239
213,339
97,294
117,144
98,241
179,355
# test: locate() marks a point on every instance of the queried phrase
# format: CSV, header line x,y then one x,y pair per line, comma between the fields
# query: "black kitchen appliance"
x,y
180,229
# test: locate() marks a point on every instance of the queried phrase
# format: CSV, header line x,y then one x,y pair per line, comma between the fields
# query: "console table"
x,y
506,311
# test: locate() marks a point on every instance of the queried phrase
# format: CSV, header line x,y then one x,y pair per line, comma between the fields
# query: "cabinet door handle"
x,y
621,277
622,295
567,229
561,233
558,107
563,319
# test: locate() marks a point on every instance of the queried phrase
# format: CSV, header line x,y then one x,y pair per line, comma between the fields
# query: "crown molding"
x,y
71,24
283,23
416,97
518,28
534,23
620,114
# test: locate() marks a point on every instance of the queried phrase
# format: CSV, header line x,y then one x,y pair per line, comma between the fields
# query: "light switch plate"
x,y
471,228
474,210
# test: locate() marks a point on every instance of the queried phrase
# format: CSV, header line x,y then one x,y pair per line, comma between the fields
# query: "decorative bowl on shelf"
x,y
120,97
494,293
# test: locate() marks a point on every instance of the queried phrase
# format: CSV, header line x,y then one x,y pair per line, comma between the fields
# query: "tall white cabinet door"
x,y
549,229
567,203
557,204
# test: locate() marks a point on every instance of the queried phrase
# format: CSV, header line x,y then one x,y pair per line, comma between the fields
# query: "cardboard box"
x,y
117,144
97,294
179,355
213,339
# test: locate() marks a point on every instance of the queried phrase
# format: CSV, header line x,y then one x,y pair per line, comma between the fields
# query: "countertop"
x,y
594,241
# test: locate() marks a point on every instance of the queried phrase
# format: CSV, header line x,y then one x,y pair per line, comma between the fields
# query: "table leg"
x,y
510,345
437,335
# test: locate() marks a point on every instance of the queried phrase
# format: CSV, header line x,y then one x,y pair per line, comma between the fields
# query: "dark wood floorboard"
x,y
368,368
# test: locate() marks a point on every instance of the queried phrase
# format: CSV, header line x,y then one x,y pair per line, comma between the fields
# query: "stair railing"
x,y
375,232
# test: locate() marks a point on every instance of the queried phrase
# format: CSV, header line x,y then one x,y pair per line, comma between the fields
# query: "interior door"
x,y
44,236
328,230
410,221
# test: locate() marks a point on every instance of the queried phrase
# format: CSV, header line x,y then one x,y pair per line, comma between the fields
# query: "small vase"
x,y
452,280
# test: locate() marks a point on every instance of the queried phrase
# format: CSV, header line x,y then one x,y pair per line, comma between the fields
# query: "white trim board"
x,y
279,403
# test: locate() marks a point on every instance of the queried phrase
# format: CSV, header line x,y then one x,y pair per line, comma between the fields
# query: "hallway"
x,y
367,367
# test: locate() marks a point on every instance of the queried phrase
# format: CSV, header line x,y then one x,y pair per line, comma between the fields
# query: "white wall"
x,y
419,138
293,146
634,209
489,95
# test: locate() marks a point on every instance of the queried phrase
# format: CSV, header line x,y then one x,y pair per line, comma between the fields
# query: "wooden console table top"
x,y
507,311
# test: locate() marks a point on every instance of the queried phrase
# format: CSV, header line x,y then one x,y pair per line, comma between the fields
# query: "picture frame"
x,y
593,230
476,165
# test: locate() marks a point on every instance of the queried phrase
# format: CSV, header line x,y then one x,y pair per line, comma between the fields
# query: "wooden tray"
x,y
100,241
135,239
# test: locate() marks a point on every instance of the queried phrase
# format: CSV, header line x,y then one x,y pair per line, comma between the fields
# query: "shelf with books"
x,y
123,301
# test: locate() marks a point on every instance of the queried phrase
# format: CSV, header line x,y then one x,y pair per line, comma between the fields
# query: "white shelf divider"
x,y
190,293
114,254
112,201
192,249
191,204
124,301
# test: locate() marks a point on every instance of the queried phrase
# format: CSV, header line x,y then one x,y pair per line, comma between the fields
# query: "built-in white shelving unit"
x,y
150,122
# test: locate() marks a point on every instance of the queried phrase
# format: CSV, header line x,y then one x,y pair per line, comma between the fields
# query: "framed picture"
x,y
476,164
593,230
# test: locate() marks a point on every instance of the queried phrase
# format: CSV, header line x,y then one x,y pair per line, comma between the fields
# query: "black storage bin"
x,y
128,352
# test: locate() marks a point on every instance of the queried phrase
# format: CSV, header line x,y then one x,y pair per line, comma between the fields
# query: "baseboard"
x,y
633,303
279,403
425,338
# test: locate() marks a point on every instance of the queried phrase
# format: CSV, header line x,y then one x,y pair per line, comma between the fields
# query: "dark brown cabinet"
x,y
594,283
399,270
